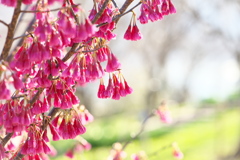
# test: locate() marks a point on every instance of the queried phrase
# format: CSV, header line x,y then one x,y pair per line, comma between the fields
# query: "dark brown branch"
x,y
6,139
1,21
20,19
11,28
36,96
70,52
20,96
125,6
98,15
52,113
7,47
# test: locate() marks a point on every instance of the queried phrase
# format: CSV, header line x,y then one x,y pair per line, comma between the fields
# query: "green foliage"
x,y
207,138
209,101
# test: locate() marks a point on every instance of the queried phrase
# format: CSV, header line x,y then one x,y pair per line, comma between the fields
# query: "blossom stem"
x,y
11,28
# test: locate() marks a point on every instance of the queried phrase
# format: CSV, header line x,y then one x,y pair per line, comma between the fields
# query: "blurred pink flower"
x,y
177,153
164,113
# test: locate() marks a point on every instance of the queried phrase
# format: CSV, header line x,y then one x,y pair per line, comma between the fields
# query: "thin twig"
x,y
6,139
51,10
139,132
10,34
114,3
130,10
116,18
25,35
93,50
1,21
160,149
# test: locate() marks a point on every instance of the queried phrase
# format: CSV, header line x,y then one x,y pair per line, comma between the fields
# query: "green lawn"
x,y
202,139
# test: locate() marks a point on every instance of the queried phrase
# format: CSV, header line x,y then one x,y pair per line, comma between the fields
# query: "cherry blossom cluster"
x,y
164,113
132,32
117,87
61,52
153,10
105,31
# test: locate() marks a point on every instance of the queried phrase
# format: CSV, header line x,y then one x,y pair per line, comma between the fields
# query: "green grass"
x,y
203,139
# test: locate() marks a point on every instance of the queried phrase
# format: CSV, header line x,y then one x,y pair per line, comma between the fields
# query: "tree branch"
x,y
11,28
98,15
36,96
117,17
130,10
33,100
125,6
6,139
70,52
114,3
1,21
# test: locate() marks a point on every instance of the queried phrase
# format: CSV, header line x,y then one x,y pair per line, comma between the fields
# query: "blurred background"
x,y
190,60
